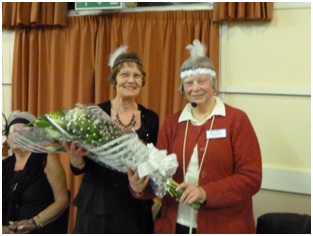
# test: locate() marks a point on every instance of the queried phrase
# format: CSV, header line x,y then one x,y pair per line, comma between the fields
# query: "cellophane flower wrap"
x,y
90,127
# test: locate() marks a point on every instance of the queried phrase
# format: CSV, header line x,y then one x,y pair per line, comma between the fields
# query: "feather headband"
x,y
121,50
14,118
197,52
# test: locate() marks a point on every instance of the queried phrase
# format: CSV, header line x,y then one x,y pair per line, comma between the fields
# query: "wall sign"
x,y
97,5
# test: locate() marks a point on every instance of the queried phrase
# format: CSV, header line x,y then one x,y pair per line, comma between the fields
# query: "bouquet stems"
x,y
171,189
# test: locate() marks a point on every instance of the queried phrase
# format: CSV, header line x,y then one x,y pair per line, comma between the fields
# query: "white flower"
x,y
53,134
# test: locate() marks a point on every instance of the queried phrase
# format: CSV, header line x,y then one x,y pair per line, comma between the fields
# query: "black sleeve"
x,y
150,123
77,171
155,130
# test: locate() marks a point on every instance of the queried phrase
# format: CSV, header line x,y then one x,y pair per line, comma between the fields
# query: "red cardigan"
x,y
231,173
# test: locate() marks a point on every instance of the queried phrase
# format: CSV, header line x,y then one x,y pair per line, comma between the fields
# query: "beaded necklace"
x,y
203,156
130,125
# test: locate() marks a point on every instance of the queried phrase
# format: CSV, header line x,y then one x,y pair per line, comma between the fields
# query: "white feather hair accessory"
x,y
197,49
122,49
198,62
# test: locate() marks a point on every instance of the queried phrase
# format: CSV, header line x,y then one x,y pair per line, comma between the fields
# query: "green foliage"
x,y
172,185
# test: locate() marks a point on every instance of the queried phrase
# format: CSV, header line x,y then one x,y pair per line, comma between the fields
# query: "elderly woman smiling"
x,y
219,158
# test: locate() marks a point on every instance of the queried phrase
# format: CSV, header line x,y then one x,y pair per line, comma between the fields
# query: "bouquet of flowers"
x,y
90,127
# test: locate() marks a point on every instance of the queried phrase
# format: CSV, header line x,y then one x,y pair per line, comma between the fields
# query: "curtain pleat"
x,y
60,66
242,11
26,14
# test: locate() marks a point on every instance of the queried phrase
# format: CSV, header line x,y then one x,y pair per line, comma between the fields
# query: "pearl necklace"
x,y
203,156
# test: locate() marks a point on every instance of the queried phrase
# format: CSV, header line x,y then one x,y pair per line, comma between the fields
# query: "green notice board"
x,y
97,5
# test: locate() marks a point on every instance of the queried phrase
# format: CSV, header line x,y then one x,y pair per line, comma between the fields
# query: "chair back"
x,y
284,223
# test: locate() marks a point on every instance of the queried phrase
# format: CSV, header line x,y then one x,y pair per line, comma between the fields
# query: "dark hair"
x,y
129,59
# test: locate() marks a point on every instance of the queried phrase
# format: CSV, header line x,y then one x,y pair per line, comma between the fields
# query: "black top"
x,y
148,132
105,191
27,192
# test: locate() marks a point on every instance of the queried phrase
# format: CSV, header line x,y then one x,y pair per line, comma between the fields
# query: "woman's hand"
x,y
137,184
7,230
76,154
22,226
192,193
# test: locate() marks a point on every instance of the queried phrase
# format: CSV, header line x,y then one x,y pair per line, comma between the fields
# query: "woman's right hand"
x,y
137,184
76,154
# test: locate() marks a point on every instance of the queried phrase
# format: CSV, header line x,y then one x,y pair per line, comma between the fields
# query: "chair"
x,y
284,223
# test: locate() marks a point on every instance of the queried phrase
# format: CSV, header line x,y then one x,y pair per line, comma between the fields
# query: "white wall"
x,y
266,71
7,59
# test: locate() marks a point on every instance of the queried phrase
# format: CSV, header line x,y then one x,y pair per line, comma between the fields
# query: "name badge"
x,y
216,133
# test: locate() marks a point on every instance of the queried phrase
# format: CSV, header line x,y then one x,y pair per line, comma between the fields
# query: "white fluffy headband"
x,y
206,71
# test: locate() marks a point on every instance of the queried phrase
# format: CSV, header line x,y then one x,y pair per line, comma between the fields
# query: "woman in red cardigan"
x,y
219,158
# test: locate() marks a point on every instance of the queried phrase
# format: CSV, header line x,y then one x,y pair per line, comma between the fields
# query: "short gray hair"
x,y
194,63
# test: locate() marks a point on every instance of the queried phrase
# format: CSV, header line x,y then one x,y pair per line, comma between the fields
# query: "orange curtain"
x,y
242,11
17,14
58,67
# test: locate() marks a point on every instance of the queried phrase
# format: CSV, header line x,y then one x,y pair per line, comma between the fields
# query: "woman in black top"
x,y
104,202
34,192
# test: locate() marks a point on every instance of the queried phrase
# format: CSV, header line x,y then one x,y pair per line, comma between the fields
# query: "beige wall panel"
x,y
273,201
7,55
282,124
266,71
270,55
7,61
6,100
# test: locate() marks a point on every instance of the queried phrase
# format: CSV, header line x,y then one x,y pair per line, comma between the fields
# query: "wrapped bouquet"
x,y
90,127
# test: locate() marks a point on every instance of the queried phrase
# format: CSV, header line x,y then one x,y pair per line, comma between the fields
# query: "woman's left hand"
x,y
6,230
137,184
192,193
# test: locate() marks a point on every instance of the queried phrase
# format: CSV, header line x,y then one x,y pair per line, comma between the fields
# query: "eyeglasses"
x,y
126,75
